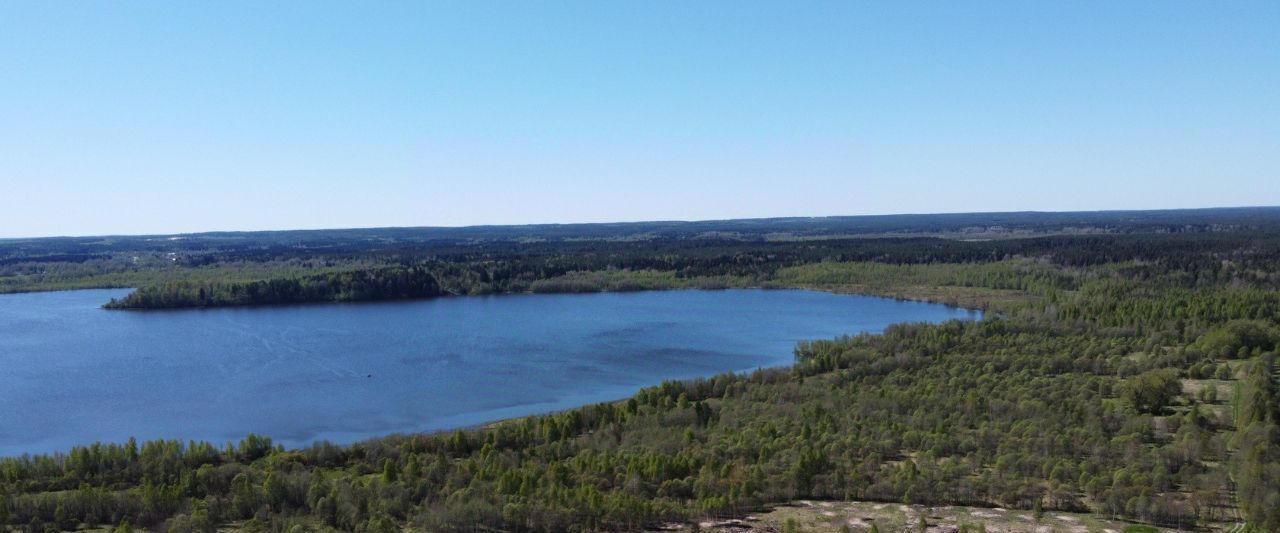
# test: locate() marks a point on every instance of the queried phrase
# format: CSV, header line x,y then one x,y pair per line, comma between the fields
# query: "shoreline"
x,y
573,401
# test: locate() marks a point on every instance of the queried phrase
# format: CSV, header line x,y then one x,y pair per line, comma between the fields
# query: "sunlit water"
x,y
72,373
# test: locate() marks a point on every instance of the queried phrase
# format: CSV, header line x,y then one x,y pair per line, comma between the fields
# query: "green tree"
x,y
1153,390
388,471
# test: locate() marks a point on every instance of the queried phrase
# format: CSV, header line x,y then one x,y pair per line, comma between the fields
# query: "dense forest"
x,y
1131,374
386,283
496,259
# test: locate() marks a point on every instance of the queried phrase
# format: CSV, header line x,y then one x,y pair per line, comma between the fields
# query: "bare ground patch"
x,y
811,516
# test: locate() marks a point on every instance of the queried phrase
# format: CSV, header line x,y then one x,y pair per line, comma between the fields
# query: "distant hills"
x,y
949,225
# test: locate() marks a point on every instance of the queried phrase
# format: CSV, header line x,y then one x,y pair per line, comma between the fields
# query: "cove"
x,y
73,374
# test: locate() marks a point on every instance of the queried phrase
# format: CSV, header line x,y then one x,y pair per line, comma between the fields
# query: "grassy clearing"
x,y
966,297
966,285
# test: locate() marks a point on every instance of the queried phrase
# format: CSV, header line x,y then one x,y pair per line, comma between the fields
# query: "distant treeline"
x,y
979,225
253,276
389,283
495,259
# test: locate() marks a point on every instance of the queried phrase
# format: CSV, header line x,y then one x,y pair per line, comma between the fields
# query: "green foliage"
x,y
1240,339
1257,462
1153,390
1024,277
372,284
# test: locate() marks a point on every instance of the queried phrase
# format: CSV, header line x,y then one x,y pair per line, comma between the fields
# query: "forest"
x,y
1130,373
580,257
373,284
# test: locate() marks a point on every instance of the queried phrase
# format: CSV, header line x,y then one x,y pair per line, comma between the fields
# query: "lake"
x,y
72,373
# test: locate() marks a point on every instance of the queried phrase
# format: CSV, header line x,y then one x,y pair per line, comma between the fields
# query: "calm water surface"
x,y
72,373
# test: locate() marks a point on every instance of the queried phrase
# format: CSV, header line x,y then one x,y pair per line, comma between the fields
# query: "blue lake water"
x,y
72,373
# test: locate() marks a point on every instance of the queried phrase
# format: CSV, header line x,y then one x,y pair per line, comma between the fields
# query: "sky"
x,y
164,117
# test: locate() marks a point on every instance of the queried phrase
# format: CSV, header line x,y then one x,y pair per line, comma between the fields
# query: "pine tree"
x,y
388,471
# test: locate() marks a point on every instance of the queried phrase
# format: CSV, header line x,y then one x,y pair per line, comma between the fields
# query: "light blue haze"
x,y
157,117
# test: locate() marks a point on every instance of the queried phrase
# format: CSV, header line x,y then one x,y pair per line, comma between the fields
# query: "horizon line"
x,y
641,221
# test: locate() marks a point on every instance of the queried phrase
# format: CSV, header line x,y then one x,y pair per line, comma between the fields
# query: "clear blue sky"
x,y
138,117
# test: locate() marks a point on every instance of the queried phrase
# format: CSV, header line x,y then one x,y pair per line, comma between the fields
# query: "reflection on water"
x,y
73,373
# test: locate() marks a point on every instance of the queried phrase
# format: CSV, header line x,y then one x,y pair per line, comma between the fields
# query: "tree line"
x,y
386,283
